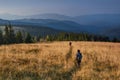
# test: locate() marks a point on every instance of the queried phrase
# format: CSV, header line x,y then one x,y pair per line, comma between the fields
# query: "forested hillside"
x,y
30,34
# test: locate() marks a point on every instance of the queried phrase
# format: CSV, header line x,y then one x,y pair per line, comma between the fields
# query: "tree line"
x,y
9,36
65,36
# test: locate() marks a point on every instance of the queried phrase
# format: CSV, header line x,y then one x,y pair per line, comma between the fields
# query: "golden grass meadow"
x,y
56,61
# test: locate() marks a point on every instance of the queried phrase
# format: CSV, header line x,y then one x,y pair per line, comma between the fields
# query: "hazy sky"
x,y
67,7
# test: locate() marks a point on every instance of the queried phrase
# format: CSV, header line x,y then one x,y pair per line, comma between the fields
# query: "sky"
x,y
66,7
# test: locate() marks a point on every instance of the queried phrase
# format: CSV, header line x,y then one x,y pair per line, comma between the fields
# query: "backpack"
x,y
79,56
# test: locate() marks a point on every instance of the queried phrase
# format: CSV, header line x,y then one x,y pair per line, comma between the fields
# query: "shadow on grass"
x,y
69,54
55,74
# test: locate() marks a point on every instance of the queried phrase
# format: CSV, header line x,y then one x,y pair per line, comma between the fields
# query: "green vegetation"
x,y
9,36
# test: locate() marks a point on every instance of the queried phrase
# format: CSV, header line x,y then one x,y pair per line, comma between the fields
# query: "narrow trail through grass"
x,y
74,68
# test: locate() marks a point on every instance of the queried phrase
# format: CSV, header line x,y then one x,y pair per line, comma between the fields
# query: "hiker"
x,y
70,43
78,58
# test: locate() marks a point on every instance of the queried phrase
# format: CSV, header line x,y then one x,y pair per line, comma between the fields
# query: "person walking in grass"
x,y
78,58
70,44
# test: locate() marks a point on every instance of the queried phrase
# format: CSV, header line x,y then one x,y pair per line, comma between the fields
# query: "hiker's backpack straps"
x,y
79,56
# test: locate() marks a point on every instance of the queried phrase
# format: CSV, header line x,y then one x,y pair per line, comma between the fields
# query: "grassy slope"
x,y
55,61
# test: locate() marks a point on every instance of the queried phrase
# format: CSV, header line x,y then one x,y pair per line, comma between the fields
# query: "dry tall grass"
x,y
55,61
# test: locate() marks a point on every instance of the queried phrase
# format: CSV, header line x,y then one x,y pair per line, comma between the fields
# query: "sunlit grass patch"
x,y
56,61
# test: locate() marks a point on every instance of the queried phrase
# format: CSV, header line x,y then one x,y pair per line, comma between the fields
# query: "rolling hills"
x,y
101,24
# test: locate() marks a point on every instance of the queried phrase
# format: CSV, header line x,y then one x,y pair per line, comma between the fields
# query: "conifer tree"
x,y
1,37
11,34
28,38
19,37
6,35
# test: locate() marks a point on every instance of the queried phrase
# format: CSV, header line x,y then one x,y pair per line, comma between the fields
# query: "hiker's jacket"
x,y
78,56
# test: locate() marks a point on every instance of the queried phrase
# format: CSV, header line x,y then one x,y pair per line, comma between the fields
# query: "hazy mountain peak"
x,y
50,16
10,16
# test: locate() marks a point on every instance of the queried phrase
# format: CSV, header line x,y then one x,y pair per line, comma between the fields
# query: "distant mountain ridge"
x,y
49,16
68,26
10,16
95,19
104,24
99,19
56,24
